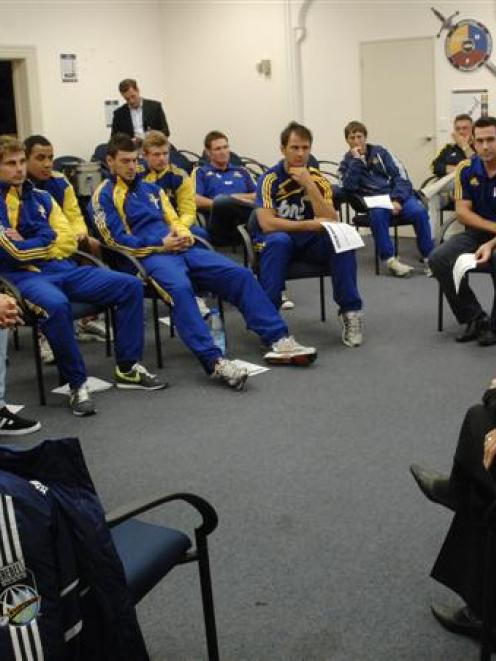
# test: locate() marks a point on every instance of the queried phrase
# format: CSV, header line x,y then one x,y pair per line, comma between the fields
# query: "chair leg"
x,y
377,265
396,241
15,334
322,299
38,364
440,310
207,598
156,328
172,327
109,323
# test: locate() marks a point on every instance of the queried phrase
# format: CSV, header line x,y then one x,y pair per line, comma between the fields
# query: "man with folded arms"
x,y
36,243
137,217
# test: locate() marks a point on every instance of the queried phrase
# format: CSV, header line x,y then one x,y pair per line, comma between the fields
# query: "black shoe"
x,y
435,486
13,425
458,620
474,329
486,337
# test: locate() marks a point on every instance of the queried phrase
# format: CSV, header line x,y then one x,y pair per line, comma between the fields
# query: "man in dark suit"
x,y
138,115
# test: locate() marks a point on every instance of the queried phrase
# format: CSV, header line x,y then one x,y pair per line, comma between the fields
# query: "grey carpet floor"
x,y
324,544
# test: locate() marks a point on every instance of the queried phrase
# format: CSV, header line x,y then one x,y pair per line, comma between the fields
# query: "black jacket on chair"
x,y
153,118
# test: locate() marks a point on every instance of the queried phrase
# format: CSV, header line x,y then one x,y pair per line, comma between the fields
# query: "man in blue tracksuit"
x,y
36,243
371,170
224,191
293,199
137,217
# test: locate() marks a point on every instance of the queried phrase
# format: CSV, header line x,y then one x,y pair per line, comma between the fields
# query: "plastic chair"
x,y
79,311
149,552
298,270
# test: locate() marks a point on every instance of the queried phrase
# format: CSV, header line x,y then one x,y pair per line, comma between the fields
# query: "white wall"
x,y
211,49
112,41
198,57
331,64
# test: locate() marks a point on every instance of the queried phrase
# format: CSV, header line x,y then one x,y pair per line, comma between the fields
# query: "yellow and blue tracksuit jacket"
x,y
134,217
39,220
63,192
178,187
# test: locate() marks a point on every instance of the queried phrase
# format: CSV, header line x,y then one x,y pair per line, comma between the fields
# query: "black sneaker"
x,y
138,378
13,425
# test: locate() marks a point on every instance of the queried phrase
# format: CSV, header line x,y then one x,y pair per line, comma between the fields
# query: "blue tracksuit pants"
x,y
413,213
61,282
180,273
281,248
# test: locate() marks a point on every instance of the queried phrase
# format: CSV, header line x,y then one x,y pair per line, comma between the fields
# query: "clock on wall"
x,y
468,44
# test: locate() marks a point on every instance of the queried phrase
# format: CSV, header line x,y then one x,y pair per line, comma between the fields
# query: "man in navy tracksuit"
x,y
371,170
36,243
137,217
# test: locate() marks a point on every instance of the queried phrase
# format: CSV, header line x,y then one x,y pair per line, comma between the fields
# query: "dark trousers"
x,y
226,214
460,563
464,305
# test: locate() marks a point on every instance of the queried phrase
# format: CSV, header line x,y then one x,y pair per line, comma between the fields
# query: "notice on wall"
x,y
473,102
110,106
68,68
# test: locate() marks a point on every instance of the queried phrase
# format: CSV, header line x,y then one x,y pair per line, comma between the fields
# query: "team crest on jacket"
x,y
474,181
20,602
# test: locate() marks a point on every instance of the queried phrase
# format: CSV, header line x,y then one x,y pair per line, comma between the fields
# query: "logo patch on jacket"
x,y
474,181
20,603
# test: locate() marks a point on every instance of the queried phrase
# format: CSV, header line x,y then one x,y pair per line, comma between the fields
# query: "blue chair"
x,y
149,552
298,270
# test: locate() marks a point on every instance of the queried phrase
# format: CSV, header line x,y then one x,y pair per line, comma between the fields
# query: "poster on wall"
x,y
68,68
470,102
110,106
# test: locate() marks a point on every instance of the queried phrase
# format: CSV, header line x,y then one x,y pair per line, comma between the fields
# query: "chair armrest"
x,y
87,257
202,219
446,227
356,202
207,512
124,255
433,177
203,242
248,247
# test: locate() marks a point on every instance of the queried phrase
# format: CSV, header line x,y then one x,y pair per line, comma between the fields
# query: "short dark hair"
x,y
463,118
484,122
33,140
119,142
354,127
300,130
127,84
213,135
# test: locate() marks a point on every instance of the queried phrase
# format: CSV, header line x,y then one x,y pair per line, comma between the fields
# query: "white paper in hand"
x,y
343,236
378,202
465,262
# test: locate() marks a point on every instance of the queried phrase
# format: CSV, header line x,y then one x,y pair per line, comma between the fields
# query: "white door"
x,y
398,103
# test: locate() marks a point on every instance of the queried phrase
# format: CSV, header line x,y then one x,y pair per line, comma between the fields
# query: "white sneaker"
x,y
287,351
92,330
80,402
397,268
203,307
352,323
286,303
227,371
47,357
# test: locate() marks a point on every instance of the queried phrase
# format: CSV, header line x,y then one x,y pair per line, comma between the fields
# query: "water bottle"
x,y
217,330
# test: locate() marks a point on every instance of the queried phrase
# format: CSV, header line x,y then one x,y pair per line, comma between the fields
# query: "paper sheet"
x,y
93,383
164,320
343,236
378,202
465,262
15,408
253,369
